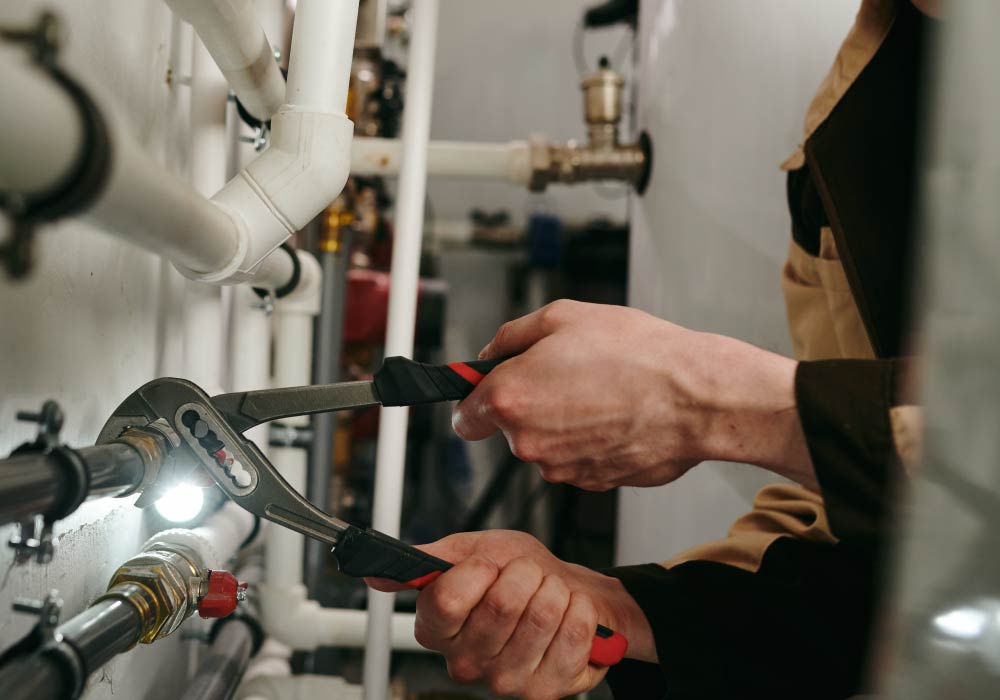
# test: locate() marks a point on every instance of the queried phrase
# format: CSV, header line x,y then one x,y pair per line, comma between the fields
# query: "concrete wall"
x,y
723,89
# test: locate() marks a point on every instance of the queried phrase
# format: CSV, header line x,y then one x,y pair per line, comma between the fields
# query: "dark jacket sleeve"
x,y
796,628
844,406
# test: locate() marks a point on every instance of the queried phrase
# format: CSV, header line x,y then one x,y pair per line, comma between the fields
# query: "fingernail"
x,y
484,352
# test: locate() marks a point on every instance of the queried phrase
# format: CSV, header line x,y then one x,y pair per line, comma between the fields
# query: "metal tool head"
x,y
233,462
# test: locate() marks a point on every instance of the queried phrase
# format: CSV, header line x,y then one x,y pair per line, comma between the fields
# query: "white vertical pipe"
x,y
293,331
319,68
390,460
204,329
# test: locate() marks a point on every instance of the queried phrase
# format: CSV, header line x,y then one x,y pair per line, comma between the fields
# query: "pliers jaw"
x,y
234,463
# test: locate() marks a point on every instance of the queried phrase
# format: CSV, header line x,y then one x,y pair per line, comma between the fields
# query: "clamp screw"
x,y
50,418
47,610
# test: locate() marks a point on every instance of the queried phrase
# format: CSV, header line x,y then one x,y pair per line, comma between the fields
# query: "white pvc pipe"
x,y
390,459
290,617
40,132
141,202
204,329
496,161
319,70
216,541
308,159
232,33
293,334
301,687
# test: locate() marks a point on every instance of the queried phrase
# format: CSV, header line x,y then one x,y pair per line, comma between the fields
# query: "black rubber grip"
x,y
370,553
403,382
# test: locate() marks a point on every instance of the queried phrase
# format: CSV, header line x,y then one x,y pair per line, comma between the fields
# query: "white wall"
x,y
96,319
723,90
505,70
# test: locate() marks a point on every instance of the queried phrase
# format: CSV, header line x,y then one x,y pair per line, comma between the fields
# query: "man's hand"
x,y
512,615
602,396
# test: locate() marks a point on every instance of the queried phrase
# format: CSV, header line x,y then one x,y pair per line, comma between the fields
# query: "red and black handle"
x,y
403,382
362,553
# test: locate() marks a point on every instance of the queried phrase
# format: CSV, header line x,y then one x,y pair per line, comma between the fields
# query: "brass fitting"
x,y
602,157
163,584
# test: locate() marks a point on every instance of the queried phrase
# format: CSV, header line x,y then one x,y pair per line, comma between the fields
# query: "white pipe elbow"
x,y
303,170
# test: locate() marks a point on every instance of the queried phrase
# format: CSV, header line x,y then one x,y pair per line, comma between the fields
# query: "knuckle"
x,y
543,616
504,682
463,669
577,631
553,474
503,333
503,403
500,606
446,605
559,312
525,447
528,568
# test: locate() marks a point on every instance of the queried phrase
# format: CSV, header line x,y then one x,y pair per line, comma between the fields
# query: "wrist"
x,y
754,415
618,610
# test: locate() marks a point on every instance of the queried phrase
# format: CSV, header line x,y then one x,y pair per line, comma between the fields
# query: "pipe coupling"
x,y
163,584
572,163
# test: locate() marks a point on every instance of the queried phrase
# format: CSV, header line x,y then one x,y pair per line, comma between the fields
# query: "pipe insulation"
x,y
391,456
232,33
459,159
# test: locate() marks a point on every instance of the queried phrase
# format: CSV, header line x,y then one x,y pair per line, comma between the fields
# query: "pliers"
x,y
211,432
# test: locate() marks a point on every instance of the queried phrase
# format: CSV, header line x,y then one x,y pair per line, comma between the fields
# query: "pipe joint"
x,y
163,584
228,272
303,170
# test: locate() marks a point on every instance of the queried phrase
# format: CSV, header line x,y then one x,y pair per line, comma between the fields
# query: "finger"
x,y
568,656
492,622
515,666
516,336
444,605
452,549
474,417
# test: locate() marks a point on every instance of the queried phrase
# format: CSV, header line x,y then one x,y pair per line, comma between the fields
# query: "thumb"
x,y
452,549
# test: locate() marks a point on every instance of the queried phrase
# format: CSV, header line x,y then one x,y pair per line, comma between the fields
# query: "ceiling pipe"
x,y
233,35
390,459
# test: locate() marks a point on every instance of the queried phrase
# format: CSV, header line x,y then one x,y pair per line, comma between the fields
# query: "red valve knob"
x,y
224,591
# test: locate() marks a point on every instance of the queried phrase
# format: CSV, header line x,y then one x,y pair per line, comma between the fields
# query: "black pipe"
x,y
220,672
55,482
326,370
59,670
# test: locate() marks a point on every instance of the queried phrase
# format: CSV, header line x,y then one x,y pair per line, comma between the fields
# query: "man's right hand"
x,y
511,614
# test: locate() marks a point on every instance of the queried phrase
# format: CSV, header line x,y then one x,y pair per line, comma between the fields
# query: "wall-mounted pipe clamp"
x,y
79,185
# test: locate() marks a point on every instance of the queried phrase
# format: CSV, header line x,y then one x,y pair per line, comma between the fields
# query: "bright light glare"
x,y
181,503
961,623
